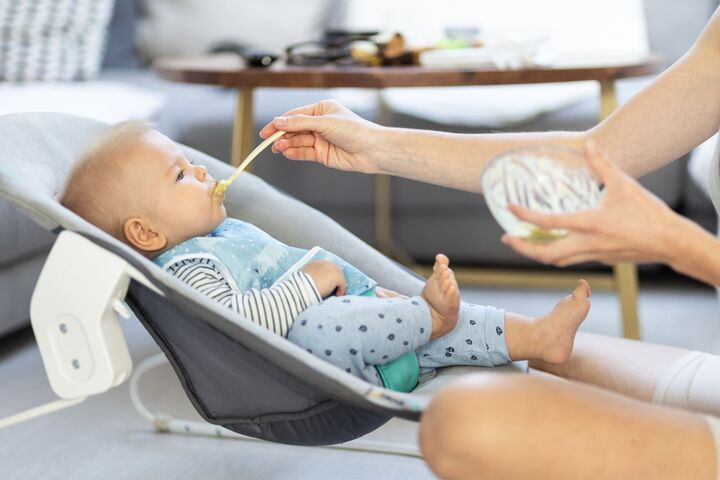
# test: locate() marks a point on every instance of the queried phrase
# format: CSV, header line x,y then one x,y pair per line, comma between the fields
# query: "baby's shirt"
x,y
254,274
274,308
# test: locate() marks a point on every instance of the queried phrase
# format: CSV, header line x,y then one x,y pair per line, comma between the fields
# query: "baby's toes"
x,y
450,288
456,298
456,289
442,259
582,290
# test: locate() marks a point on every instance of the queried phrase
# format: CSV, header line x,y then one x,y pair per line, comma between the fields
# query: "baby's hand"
x,y
327,276
381,292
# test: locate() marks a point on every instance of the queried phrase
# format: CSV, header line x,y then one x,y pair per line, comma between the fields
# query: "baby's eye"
x,y
180,175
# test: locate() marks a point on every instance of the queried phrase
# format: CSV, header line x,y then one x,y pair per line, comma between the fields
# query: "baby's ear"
x,y
141,234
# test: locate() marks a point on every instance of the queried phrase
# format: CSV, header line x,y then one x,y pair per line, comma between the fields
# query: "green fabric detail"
x,y
402,373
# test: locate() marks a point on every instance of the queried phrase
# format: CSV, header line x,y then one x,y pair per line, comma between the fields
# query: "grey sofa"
x,y
201,117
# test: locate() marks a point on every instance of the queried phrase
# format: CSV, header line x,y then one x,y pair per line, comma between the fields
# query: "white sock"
x,y
691,383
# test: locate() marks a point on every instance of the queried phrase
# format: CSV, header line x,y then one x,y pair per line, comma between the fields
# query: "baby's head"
x,y
139,187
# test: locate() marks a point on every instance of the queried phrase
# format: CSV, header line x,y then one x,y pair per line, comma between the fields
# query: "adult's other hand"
x,y
629,224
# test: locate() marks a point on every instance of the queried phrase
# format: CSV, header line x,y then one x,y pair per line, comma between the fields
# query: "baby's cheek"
x,y
222,215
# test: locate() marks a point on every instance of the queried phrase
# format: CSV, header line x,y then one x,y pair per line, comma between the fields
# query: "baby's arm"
x,y
328,277
274,308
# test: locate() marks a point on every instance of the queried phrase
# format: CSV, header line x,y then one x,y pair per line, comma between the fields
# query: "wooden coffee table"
x,y
229,70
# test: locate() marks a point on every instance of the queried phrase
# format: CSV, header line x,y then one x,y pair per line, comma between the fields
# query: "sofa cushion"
x,y
101,100
52,40
120,50
190,27
494,106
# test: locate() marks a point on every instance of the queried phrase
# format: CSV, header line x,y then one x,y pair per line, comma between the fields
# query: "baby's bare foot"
x,y
558,328
442,294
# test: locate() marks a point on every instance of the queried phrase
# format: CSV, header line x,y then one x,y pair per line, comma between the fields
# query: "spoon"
x,y
223,185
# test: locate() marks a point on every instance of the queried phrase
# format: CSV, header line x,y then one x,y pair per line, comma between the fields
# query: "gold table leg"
x,y
626,286
243,127
624,274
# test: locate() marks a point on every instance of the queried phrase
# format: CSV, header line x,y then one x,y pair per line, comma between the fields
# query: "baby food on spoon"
x,y
223,185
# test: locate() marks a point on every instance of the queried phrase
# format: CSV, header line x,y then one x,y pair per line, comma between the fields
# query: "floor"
x,y
105,438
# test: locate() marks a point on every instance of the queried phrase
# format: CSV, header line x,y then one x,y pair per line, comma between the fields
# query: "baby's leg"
x,y
507,336
355,333
550,337
478,339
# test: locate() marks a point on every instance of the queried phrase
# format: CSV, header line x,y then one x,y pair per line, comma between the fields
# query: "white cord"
x,y
167,424
39,411
147,364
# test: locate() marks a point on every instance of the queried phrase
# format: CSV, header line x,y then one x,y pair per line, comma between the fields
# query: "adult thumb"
x,y
300,123
603,168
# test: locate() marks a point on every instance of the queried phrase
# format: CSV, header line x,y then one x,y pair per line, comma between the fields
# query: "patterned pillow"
x,y
52,39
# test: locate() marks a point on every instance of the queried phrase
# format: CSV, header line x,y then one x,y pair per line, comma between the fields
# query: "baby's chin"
x,y
223,213
220,216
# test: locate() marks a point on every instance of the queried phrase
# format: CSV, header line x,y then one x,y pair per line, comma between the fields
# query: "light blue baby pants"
x,y
357,333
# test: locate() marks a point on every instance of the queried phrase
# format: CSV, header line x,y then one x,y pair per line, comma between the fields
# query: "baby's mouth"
x,y
214,194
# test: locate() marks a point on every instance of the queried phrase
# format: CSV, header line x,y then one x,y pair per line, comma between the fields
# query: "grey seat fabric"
x,y
236,374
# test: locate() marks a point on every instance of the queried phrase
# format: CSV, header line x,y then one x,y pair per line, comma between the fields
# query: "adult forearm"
x,y
454,160
693,251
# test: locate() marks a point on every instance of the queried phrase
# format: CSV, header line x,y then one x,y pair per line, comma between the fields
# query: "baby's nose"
x,y
201,172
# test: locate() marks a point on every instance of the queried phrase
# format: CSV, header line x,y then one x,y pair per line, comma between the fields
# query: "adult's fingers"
x,y
303,123
297,141
606,258
575,259
571,221
271,128
548,253
303,153
287,136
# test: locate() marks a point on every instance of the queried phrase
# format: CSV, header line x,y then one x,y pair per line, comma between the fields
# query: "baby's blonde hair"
x,y
93,188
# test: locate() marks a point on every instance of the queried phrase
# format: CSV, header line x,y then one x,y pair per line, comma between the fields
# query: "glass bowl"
x,y
545,179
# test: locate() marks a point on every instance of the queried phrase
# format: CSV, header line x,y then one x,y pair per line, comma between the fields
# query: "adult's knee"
x,y
471,426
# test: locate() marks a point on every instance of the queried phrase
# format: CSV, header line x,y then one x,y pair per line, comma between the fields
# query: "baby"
x,y
138,186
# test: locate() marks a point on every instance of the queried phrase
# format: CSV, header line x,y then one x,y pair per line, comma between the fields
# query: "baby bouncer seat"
x,y
236,374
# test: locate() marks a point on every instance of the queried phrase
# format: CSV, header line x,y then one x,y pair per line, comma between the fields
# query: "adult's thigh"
x,y
498,426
